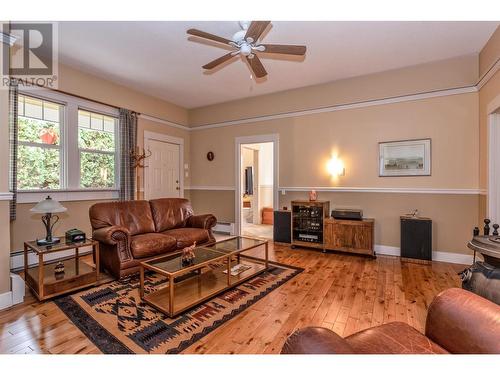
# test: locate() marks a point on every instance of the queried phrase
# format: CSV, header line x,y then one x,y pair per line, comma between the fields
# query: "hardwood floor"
x,y
342,292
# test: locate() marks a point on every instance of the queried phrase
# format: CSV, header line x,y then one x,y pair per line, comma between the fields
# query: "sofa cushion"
x,y
136,216
150,244
393,338
170,213
186,236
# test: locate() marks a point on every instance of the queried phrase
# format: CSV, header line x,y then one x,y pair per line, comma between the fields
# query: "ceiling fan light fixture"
x,y
246,49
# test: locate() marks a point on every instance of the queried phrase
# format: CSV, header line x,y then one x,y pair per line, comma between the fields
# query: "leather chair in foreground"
x,y
134,231
458,322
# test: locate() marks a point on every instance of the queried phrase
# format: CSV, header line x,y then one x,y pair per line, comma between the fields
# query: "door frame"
x,y
148,136
262,138
494,167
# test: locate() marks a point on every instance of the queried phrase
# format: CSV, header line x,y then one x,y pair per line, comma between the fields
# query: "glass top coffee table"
x,y
214,269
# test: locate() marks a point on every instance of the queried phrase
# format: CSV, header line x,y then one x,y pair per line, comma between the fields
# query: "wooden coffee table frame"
x,y
164,298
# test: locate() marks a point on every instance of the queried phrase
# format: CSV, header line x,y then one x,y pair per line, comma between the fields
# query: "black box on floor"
x,y
416,237
282,226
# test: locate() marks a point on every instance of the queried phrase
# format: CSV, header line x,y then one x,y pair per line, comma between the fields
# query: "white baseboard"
x,y
17,259
438,256
5,300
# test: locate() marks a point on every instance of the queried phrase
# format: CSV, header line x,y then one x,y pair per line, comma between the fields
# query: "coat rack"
x,y
138,158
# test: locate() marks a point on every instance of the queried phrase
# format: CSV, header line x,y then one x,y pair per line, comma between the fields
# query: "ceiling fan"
x,y
246,44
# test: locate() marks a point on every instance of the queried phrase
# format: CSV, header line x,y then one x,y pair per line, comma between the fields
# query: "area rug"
x,y
115,319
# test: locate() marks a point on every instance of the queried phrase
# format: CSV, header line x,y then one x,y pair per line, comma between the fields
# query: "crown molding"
x,y
341,107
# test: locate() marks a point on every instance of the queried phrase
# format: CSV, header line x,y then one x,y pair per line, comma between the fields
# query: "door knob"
x,y
177,188
176,181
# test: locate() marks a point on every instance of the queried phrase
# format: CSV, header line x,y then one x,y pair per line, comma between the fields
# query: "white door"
x,y
163,170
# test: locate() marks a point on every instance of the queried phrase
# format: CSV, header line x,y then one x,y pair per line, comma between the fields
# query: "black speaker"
x,y
416,238
282,226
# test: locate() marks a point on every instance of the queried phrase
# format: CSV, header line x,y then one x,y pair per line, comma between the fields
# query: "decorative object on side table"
x,y
313,195
59,271
48,207
405,158
188,255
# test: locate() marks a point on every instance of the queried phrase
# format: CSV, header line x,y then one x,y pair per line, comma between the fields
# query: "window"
x,y
66,143
39,152
96,142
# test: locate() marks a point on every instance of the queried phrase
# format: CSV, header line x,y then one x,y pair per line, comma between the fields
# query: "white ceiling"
x,y
157,58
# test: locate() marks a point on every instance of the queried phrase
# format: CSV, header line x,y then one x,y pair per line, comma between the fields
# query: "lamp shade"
x,y
48,205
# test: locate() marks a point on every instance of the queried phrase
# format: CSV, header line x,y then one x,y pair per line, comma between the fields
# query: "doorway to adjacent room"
x,y
256,196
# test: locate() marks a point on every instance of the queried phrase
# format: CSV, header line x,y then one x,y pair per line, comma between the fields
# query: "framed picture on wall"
x,y
405,158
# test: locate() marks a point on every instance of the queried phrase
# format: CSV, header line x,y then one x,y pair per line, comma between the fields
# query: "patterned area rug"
x,y
115,319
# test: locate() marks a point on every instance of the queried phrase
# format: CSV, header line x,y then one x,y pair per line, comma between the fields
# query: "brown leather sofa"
x,y
134,231
457,322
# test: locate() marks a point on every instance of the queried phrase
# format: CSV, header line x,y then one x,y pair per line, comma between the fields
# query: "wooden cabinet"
x,y
353,236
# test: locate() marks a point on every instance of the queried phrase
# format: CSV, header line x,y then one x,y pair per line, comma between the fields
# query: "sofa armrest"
x,y
206,221
111,235
463,322
316,340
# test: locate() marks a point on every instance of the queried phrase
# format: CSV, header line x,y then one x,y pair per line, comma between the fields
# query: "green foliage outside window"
x,y
96,140
97,170
37,168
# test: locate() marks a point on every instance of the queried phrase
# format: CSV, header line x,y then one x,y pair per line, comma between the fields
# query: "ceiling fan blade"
x,y
257,67
256,29
285,49
220,60
208,36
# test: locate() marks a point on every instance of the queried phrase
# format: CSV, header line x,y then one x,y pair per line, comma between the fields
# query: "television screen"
x,y
248,181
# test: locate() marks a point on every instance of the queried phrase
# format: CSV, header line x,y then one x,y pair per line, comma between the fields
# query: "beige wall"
x,y
28,226
307,142
79,83
220,203
489,101
490,53
457,72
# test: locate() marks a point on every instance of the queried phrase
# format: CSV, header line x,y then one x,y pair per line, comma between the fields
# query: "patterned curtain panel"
x,y
13,137
128,140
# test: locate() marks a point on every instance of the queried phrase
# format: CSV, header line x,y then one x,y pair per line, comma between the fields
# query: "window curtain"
x,y
13,143
128,141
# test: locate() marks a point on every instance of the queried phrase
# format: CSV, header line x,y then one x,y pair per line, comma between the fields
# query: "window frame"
x,y
58,147
69,148
115,153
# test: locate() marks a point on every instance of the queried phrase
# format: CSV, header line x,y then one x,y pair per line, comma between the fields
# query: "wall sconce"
x,y
335,167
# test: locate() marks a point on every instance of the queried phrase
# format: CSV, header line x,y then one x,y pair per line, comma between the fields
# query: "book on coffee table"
x,y
237,269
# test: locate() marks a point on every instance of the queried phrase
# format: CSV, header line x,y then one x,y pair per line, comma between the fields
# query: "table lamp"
x,y
48,206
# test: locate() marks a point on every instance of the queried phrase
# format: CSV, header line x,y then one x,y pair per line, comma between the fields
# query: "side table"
x,y
45,283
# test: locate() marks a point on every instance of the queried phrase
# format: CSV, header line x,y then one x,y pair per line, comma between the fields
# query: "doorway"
x,y
162,175
256,185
